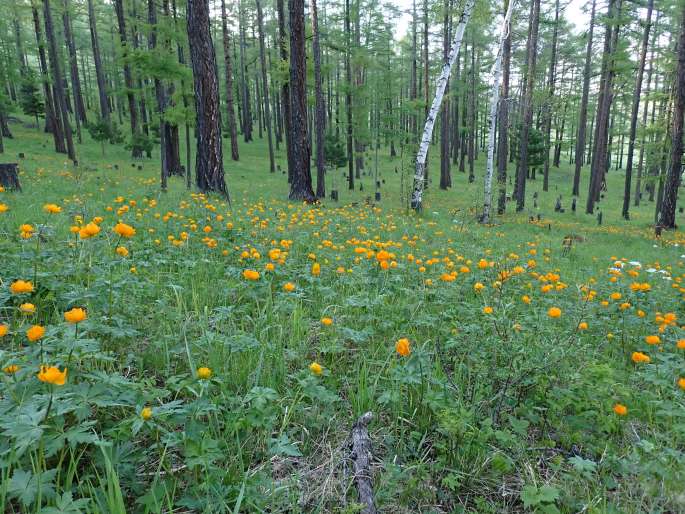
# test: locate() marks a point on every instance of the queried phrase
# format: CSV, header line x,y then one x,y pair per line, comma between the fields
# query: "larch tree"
x,y
228,74
209,166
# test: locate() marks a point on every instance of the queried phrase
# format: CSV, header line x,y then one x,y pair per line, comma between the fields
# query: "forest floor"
x,y
228,350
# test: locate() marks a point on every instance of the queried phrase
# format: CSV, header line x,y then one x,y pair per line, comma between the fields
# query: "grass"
x,y
510,411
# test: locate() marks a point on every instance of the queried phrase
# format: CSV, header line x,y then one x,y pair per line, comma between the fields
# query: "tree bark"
x,y
667,212
551,82
419,176
527,104
503,148
79,105
348,99
228,71
634,112
160,94
265,87
209,166
58,90
320,109
128,79
97,59
301,185
582,121
285,87
494,103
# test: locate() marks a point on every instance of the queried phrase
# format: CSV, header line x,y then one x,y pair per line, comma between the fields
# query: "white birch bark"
x,y
420,173
494,101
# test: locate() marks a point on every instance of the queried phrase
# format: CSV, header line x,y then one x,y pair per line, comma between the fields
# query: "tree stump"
x,y
361,457
9,176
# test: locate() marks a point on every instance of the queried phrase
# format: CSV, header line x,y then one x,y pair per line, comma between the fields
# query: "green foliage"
x,y
334,152
31,99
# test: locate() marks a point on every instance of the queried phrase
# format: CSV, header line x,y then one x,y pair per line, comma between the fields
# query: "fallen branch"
x,y
361,457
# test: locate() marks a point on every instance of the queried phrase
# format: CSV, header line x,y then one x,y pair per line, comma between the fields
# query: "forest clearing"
x,y
287,257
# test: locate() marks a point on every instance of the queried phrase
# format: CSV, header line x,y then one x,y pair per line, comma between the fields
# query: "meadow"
x,y
169,352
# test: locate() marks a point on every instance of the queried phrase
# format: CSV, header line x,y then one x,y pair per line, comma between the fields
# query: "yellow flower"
x,y
525,299
122,251
554,312
146,413
487,310
204,373
652,339
288,287
639,357
403,347
482,264
52,208
75,315
582,325
478,287
3,208
250,274
27,308
681,344
620,410
35,333
90,230
615,296
327,321
4,330
52,375
11,369
269,266
124,230
21,286
316,368
316,269
681,383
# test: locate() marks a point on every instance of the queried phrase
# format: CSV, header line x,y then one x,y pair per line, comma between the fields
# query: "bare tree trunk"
x,y
228,65
582,121
136,152
320,109
419,176
633,114
161,98
348,99
265,86
60,101
667,211
531,57
445,177
247,114
285,87
97,59
209,166
494,103
301,186
551,82
80,108
503,148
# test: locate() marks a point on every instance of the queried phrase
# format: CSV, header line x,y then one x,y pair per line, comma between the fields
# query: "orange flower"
x,y
21,286
403,347
525,299
652,339
327,321
122,251
316,269
554,312
35,333
620,410
75,315
11,369
681,344
639,357
288,287
487,310
250,274
52,208
582,325
90,230
124,230
52,375
4,330
681,383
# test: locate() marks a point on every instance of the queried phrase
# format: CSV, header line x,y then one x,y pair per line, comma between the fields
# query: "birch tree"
x,y
494,102
420,173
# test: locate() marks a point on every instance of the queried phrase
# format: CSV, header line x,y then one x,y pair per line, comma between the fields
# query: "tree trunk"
x,y
228,70
301,186
667,212
247,114
348,99
551,82
419,176
209,166
265,86
634,111
53,123
445,177
582,121
531,57
320,109
503,148
285,87
160,94
58,90
79,105
136,152
494,103
97,59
